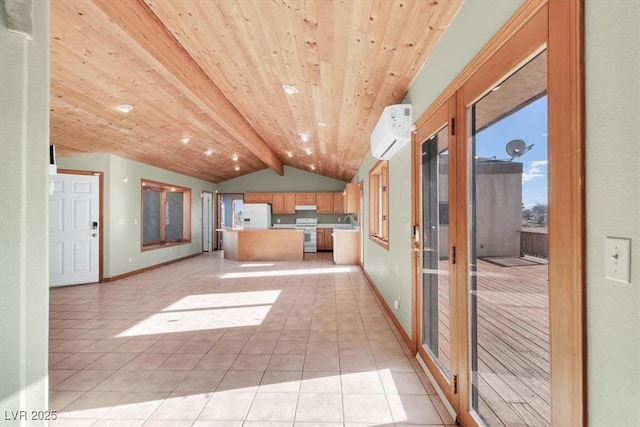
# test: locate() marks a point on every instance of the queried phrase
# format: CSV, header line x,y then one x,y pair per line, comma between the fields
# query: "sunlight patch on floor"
x,y
300,272
208,311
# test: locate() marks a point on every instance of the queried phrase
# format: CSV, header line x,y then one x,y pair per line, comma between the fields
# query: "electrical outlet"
x,y
396,304
130,260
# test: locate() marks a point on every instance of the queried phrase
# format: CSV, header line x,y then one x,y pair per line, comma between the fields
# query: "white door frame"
x,y
100,176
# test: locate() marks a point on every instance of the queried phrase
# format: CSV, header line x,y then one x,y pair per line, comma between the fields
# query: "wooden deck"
x,y
513,343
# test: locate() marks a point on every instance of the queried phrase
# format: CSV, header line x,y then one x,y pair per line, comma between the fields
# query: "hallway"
x,y
212,342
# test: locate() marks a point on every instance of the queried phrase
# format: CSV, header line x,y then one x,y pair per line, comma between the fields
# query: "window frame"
x,y
164,189
379,203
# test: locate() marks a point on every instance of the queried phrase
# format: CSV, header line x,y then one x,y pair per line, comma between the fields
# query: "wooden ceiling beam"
x,y
140,23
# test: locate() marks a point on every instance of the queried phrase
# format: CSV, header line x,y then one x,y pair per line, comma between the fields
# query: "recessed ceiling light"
x,y
305,137
237,167
234,157
308,151
124,108
291,90
289,153
322,124
208,152
184,140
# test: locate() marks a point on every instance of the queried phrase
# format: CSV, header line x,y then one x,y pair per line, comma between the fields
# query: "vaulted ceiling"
x,y
213,71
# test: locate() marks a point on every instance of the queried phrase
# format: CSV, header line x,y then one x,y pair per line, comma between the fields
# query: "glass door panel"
x,y
508,268
435,249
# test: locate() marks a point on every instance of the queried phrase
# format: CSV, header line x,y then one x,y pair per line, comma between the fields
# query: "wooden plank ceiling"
x,y
213,71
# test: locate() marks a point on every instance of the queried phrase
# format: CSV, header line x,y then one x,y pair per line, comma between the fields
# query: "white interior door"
x,y
73,230
207,221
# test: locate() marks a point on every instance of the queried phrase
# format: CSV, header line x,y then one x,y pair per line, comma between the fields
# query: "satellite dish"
x,y
516,148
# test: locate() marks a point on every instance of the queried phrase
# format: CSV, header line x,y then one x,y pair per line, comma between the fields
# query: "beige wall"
x,y
122,210
24,261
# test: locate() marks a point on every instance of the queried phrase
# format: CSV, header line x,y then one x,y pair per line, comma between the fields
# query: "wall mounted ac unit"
x,y
392,131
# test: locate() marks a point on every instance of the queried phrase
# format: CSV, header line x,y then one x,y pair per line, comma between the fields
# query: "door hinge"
x,y
455,384
453,254
453,126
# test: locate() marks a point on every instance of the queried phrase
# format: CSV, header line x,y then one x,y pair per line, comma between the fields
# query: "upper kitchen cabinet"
x,y
351,198
252,197
324,203
305,198
337,207
289,203
277,200
283,203
265,198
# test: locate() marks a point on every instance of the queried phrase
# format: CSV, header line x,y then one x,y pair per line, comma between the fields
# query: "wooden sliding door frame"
x,y
438,120
556,25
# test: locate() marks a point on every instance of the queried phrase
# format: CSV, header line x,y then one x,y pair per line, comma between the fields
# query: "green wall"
x,y
474,25
612,189
122,210
24,242
613,209
266,180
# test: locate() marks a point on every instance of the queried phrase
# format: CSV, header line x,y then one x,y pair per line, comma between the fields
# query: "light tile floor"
x,y
212,342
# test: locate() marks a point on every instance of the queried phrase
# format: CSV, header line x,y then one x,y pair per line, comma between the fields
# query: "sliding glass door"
x,y
498,215
508,255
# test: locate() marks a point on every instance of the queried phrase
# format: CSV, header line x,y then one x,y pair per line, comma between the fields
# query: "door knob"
x,y
95,234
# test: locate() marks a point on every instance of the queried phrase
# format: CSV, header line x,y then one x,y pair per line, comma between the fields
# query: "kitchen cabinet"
x,y
277,206
305,198
324,202
324,239
310,199
351,198
289,203
252,197
283,203
265,198
347,247
336,203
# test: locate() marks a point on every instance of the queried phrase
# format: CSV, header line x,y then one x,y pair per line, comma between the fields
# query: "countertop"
x,y
338,226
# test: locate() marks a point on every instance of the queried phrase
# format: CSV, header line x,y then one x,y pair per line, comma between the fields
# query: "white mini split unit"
x,y
392,131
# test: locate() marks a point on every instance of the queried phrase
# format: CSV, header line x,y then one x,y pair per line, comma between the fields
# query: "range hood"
x,y
306,207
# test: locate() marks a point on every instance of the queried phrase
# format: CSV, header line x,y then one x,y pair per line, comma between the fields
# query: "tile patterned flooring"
x,y
212,342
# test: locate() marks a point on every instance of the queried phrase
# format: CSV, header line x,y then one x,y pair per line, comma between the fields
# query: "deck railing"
x,y
534,243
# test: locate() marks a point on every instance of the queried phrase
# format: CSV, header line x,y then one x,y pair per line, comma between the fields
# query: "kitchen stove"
x,y
309,225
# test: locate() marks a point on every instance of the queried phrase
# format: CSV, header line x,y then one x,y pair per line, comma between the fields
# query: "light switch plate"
x,y
618,259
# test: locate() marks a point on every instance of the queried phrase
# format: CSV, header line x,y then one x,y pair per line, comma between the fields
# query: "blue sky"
x,y
530,125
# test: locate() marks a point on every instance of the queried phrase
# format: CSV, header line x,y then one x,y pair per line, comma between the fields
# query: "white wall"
x,y
613,208
122,204
24,260
474,25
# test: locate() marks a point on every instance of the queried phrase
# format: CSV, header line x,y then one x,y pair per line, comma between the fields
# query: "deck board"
x,y
513,342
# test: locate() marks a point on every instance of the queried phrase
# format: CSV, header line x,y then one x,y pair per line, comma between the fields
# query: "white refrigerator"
x,y
256,215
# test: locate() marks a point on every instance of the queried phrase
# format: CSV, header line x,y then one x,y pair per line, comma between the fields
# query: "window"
x,y
379,203
166,213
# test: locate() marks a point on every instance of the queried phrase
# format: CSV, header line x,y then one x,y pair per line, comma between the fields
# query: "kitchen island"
x,y
263,244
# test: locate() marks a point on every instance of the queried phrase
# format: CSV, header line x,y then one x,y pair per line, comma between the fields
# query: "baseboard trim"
x,y
399,330
145,269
